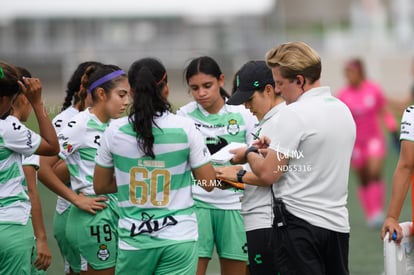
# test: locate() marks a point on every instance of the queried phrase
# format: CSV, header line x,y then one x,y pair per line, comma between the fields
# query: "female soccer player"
x,y
218,212
402,178
72,263
94,237
16,231
367,103
41,256
153,153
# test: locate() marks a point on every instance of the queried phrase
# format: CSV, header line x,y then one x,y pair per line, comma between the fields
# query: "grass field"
x,y
366,252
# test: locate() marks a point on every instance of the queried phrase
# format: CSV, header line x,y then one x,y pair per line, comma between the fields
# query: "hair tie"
x,y
105,79
162,79
1,73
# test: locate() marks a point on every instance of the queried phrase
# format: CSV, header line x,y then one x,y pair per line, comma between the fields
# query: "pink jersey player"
x,y
367,103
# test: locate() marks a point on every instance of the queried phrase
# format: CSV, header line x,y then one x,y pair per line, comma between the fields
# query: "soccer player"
x,y
94,237
16,230
71,259
41,256
220,223
402,178
367,103
153,153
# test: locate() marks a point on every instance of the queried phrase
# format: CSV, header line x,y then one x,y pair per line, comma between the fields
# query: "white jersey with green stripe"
x,y
15,140
79,140
230,124
154,195
32,160
59,121
407,124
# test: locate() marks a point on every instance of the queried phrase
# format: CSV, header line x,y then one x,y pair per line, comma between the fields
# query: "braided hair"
x,y
74,84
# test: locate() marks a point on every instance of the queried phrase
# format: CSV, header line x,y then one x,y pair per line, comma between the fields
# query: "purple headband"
x,y
104,79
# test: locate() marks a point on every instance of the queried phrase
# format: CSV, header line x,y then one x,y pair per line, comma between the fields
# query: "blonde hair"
x,y
295,58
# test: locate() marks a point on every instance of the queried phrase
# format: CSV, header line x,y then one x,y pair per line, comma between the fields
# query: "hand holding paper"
x,y
223,155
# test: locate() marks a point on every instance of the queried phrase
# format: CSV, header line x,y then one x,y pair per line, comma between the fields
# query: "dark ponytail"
x,y
74,84
147,78
23,73
9,76
205,65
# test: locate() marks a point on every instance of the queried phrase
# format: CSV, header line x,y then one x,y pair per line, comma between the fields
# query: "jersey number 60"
x,y
155,176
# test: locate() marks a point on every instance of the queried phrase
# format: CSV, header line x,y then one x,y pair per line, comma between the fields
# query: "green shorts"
x,y
223,228
16,245
177,259
94,237
70,258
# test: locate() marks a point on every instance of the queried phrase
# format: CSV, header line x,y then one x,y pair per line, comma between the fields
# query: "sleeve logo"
x,y
16,126
67,147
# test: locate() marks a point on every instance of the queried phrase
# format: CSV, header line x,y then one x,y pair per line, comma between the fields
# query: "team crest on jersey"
x,y
233,128
103,252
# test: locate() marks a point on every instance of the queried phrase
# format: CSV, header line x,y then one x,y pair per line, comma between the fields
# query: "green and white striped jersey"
x,y
15,140
154,195
230,124
79,140
32,160
60,121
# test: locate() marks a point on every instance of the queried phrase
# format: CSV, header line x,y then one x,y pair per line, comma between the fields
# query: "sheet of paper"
x,y
223,155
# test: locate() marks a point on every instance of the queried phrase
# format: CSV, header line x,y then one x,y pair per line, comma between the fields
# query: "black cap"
x,y
253,76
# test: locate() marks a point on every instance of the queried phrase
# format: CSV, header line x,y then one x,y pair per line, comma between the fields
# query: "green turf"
x,y
366,252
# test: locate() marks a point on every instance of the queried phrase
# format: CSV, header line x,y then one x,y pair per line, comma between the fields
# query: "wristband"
x,y
249,150
240,175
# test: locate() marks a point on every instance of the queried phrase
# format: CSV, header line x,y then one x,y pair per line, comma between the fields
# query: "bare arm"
x,y
48,177
264,165
400,185
44,257
388,118
266,169
32,89
207,174
103,180
61,170
230,173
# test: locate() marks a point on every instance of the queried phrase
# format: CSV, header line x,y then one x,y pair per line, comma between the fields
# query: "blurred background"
x,y
51,38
